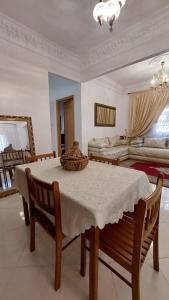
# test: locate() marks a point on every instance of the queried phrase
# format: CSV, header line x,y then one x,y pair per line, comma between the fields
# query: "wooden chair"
x,y
128,241
105,160
31,159
40,157
44,203
11,158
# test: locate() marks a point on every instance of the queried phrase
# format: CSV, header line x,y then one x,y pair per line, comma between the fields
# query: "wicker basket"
x,y
74,160
74,165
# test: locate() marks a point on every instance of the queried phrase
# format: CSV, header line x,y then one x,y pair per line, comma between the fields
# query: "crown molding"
x,y
145,39
108,83
133,44
141,86
158,59
20,35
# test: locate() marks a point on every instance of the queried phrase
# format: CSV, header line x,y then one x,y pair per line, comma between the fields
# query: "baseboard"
x,y
153,159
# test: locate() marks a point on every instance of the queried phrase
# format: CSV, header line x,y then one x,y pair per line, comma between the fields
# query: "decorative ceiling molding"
x,y
20,35
158,59
141,86
137,35
107,82
135,43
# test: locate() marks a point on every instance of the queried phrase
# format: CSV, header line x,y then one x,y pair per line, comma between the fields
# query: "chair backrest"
x,y
147,219
45,196
105,160
9,148
41,157
12,156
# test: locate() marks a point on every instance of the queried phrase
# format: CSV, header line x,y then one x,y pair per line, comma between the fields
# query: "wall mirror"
x,y
16,143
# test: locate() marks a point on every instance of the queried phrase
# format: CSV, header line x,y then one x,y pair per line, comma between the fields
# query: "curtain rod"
x,y
143,91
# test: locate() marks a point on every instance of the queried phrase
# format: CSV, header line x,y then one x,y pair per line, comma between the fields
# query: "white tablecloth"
x,y
96,196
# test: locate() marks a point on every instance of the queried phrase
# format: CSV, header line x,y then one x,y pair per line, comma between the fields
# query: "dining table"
x,y
90,199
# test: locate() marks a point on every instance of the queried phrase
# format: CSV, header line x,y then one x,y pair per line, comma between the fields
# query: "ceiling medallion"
x,y
108,11
160,79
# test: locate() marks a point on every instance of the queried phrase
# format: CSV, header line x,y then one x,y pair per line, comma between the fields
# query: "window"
x,y
3,142
161,128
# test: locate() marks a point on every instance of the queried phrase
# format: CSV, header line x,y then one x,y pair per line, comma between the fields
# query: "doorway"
x,y
65,124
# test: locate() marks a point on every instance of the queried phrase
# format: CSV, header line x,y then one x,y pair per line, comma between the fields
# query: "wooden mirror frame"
x,y
28,120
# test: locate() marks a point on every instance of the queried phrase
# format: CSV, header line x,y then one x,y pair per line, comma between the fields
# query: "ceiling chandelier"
x,y
108,11
160,79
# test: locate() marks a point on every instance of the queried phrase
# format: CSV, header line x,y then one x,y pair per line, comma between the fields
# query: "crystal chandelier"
x,y
108,11
160,79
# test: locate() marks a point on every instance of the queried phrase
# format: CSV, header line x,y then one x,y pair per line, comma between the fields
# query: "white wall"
x,y
104,91
24,91
58,89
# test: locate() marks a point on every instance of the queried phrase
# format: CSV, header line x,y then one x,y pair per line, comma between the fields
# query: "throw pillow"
x,y
155,142
114,141
98,143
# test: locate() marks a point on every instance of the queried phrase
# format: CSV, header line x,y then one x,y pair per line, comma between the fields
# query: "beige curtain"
x,y
145,109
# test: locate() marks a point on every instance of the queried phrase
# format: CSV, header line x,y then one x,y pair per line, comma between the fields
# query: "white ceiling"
x,y
70,23
140,73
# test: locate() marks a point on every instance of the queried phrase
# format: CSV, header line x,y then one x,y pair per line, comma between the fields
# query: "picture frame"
x,y
105,115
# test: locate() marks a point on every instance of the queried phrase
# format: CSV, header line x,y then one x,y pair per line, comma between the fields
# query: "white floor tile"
x,y
163,241
153,286
37,283
25,275
164,267
5,276
10,254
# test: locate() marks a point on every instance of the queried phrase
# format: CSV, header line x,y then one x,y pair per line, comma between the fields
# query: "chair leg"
x,y
0,180
83,256
156,252
5,178
135,287
26,212
58,260
10,174
32,234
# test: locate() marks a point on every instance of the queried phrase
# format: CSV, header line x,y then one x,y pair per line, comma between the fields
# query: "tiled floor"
x,y
25,275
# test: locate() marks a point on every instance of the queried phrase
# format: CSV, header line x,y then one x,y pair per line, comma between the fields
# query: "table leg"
x,y
26,212
94,263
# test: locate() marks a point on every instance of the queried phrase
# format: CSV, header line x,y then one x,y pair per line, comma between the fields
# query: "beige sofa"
x,y
150,149
108,147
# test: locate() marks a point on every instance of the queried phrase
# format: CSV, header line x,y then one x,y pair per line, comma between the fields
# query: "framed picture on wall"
x,y
105,115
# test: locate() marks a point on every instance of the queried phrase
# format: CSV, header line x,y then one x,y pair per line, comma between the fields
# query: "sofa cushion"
x,y
155,142
137,141
150,152
114,141
95,149
99,143
114,152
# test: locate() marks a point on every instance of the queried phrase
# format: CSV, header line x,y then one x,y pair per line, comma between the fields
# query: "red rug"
x,y
153,170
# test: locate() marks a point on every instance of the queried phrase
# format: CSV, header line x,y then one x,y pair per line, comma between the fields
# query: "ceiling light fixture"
x,y
108,11
160,79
